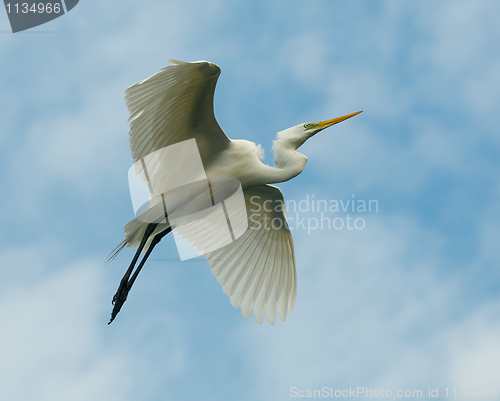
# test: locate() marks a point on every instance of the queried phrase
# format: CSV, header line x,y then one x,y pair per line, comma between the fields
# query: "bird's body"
x,y
239,160
257,269
242,160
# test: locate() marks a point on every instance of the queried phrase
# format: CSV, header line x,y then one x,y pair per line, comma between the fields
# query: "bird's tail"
x,y
114,253
134,232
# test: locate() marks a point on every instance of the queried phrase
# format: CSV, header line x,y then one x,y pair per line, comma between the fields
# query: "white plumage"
x,y
257,270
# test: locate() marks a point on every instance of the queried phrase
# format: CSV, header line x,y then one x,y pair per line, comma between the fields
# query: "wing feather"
x,y
174,105
257,270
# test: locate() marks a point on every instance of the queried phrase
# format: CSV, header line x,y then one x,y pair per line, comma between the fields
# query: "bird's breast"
x,y
240,161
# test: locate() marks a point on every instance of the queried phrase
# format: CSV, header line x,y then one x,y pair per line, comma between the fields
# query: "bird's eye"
x,y
306,126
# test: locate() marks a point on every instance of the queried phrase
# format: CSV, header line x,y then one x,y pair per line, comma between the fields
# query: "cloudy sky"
x,y
411,301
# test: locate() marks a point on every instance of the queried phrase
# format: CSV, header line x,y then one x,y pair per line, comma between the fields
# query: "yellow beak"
x,y
329,123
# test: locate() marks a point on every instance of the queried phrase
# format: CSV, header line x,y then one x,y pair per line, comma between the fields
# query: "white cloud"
x,y
55,341
375,309
50,346
427,95
473,349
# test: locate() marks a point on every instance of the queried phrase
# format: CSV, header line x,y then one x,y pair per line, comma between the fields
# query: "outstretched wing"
x,y
257,270
174,105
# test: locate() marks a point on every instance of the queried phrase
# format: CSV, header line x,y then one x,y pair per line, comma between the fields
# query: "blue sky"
x,y
409,302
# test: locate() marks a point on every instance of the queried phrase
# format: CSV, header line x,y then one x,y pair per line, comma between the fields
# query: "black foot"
x,y
119,299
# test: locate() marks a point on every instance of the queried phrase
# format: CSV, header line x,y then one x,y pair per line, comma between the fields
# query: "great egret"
x,y
257,270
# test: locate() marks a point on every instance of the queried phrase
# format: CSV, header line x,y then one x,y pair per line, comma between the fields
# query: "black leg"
x,y
155,242
126,283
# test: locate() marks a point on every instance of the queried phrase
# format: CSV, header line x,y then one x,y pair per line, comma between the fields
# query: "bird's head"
x,y
296,136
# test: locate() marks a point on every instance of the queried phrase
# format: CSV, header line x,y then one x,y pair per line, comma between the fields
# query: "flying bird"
x,y
257,269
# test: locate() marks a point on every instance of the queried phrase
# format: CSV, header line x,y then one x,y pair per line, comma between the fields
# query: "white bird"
x,y
257,270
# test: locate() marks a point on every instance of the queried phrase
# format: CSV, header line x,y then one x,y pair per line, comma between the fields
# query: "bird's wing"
x,y
174,105
257,270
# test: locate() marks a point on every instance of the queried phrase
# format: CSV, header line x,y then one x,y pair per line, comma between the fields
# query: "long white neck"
x,y
289,163
251,172
292,167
